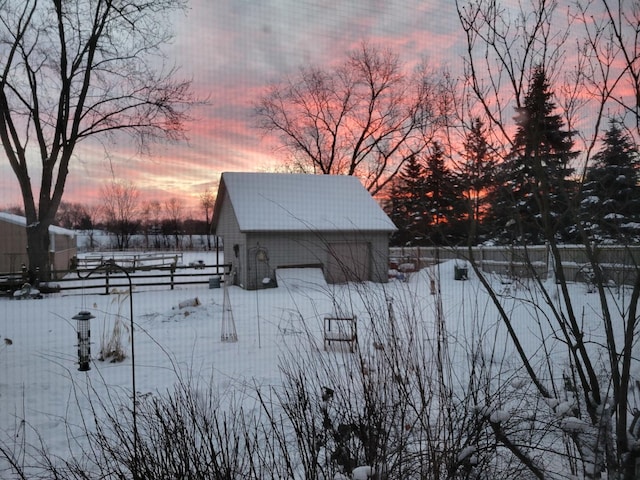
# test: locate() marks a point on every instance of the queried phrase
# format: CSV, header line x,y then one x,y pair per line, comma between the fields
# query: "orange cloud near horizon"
x,y
232,54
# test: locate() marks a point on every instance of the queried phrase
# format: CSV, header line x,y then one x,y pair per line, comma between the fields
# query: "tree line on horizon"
x,y
437,198
122,213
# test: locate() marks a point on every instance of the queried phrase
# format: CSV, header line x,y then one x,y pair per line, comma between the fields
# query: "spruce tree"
x,y
424,203
444,205
610,207
535,185
476,177
407,207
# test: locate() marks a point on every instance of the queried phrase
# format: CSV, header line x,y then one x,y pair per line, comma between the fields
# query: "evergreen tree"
x,y
444,206
610,207
424,203
476,177
535,185
407,206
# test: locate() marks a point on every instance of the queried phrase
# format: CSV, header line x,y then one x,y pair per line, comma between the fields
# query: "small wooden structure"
x,y
341,329
13,246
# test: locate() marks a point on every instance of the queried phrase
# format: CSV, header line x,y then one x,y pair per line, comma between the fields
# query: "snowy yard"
x,y
43,395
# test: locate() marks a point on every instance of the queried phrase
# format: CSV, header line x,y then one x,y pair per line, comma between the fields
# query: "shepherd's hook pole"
x,y
107,266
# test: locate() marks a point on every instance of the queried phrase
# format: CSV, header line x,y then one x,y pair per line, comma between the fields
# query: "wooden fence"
x,y
132,262
162,277
618,263
91,277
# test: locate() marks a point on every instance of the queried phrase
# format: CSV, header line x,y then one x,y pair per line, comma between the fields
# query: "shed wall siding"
x,y
379,244
348,261
65,248
296,249
13,247
228,228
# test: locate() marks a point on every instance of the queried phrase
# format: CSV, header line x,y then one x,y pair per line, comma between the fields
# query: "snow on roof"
x,y
297,202
19,220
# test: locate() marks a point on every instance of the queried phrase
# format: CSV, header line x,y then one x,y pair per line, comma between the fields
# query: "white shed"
x,y
278,220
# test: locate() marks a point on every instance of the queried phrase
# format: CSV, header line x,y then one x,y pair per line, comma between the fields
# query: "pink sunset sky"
x,y
232,50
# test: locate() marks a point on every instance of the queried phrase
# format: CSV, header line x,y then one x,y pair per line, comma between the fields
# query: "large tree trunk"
x,y
38,243
61,82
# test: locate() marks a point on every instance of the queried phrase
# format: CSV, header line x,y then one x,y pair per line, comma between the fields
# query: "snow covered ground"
x,y
41,388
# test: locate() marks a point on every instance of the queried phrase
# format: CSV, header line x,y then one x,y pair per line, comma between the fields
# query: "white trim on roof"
x,y
20,220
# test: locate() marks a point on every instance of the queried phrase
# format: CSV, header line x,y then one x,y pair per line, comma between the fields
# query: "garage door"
x,y
348,262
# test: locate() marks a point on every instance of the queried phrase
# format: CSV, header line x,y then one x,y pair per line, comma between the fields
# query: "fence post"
x,y
548,257
173,269
106,283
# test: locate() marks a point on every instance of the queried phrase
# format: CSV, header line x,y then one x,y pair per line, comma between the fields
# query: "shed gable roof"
x,y
299,202
22,221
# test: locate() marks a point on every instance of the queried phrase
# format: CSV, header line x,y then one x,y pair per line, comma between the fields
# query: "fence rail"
x,y
107,280
132,262
618,263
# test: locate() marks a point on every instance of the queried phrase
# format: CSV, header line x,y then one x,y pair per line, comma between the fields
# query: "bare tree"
x,y
74,215
173,222
207,201
365,117
153,215
121,210
609,58
14,209
75,70
146,222
90,222
599,77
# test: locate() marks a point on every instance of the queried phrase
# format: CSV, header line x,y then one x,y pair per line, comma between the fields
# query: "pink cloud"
x,y
232,51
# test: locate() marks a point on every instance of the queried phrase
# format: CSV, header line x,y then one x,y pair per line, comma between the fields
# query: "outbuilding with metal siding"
x,y
278,220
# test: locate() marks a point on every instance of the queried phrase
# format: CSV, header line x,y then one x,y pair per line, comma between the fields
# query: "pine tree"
x,y
444,206
424,203
535,185
610,207
476,176
407,208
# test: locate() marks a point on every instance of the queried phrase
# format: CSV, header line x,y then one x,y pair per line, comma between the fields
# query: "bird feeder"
x,y
83,319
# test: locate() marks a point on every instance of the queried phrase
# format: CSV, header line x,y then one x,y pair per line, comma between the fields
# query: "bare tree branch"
x,y
364,118
78,69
